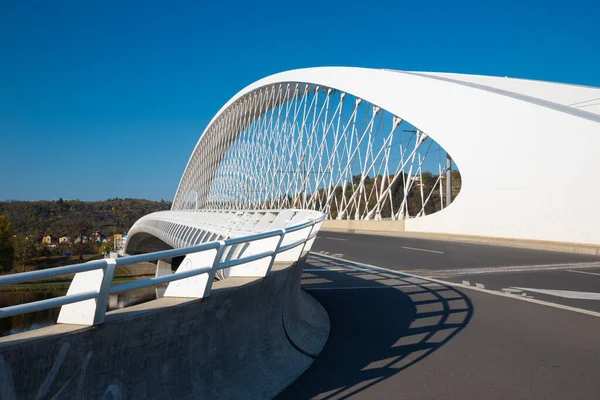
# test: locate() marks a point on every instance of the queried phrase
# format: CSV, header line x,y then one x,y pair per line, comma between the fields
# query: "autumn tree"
x,y
105,247
26,249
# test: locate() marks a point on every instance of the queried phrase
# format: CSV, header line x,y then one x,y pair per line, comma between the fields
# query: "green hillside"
x,y
58,218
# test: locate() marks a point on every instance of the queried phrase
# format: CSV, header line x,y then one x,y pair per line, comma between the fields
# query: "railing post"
x,y
312,228
213,270
196,286
275,252
316,224
89,312
102,299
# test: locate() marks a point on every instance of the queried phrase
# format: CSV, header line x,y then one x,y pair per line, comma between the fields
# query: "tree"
x,y
7,251
79,238
25,250
105,247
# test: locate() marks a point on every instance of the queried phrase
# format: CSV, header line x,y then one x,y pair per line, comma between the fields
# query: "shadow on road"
x,y
382,322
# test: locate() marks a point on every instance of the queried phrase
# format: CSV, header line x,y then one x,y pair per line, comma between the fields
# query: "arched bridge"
x,y
324,148
364,144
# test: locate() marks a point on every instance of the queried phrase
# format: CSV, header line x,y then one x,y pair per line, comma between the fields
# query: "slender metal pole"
x,y
448,179
304,186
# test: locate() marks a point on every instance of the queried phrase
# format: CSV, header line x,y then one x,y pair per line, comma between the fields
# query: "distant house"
x,y
81,239
64,240
97,237
118,241
47,240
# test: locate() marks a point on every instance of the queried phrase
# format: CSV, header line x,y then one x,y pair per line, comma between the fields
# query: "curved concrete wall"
x,y
245,342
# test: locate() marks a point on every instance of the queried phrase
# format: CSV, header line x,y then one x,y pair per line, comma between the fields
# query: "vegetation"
x,y
58,218
413,197
24,224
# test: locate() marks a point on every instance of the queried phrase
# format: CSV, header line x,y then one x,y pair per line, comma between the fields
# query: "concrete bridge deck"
x,y
250,339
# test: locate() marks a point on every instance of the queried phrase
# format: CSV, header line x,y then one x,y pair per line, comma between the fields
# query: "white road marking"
x,y
512,268
466,283
583,272
369,287
488,291
567,294
334,238
326,269
340,255
511,290
480,285
426,250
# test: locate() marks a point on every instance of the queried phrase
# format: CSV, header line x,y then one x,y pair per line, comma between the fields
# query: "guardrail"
x,y
87,297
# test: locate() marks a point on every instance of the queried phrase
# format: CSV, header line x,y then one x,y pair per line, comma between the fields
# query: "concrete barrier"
x,y
397,228
304,319
360,226
250,339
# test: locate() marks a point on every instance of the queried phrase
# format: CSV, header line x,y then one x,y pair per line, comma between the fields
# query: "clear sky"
x,y
108,98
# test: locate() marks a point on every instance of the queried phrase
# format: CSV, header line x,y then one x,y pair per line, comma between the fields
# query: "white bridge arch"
x,y
526,151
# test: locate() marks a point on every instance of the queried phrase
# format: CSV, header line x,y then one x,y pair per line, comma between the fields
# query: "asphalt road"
x,y
491,267
395,335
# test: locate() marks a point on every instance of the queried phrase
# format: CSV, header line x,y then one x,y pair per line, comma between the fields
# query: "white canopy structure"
x,y
373,144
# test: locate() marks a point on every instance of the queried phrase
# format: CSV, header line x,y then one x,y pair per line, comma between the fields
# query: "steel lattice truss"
x,y
296,145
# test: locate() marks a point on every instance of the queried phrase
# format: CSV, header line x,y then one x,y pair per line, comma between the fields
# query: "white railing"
x,y
185,228
87,297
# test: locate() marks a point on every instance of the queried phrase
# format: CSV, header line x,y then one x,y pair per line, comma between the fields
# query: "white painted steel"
x,y
193,227
523,148
84,312
299,145
584,98
86,300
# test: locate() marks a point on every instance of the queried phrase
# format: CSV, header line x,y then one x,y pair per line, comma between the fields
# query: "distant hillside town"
x,y
42,234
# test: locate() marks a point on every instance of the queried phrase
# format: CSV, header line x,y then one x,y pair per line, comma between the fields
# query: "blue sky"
x,y
107,99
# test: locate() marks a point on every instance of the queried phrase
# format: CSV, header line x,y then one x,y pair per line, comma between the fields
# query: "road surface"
x,y
396,334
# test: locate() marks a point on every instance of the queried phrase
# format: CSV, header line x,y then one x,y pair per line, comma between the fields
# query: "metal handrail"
x,y
255,237
247,259
108,266
159,255
125,287
51,272
292,245
46,304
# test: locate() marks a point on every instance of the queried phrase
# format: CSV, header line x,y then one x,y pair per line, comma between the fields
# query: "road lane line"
x,y
459,285
512,268
334,238
583,272
567,294
327,269
369,287
426,250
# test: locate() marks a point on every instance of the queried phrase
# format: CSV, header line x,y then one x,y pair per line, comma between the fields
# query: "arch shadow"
x,y
382,322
